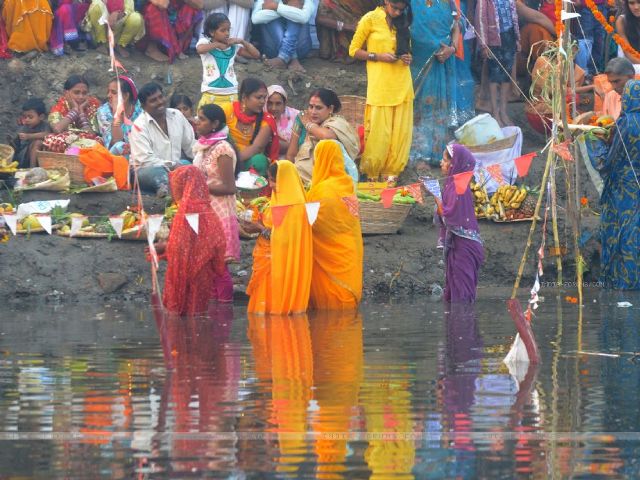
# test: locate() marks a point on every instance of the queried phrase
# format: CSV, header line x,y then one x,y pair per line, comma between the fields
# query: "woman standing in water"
x,y
463,250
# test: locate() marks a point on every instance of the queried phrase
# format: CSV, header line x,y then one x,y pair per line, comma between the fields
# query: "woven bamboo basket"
x,y
375,219
59,185
50,160
494,146
353,109
6,153
372,188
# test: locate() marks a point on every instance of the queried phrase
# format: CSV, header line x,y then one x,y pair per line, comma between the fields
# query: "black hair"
x,y
213,22
74,80
35,104
125,87
147,90
328,97
402,23
631,26
178,99
273,171
248,86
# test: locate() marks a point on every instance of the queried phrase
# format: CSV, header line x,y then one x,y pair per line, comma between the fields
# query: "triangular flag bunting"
x,y
387,196
461,181
117,222
352,205
45,222
523,163
12,221
278,213
433,187
153,226
312,211
495,170
415,189
193,219
76,225
562,150
564,15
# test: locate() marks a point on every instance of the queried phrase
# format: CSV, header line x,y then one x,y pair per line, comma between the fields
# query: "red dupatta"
x,y
274,145
193,259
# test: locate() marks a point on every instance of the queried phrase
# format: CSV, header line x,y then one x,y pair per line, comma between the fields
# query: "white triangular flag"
x,y
45,222
564,15
12,221
312,211
76,225
153,226
117,223
193,219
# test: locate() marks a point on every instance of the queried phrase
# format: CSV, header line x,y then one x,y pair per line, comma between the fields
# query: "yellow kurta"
x,y
388,120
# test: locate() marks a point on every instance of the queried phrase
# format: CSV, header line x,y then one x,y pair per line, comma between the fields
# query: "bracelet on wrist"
x,y
371,57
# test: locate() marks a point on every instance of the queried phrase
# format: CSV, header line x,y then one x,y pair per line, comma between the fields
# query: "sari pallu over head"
x,y
291,243
337,235
457,210
193,259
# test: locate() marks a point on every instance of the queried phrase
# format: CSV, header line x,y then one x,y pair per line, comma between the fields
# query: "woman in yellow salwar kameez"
x,y
28,24
290,248
336,282
388,117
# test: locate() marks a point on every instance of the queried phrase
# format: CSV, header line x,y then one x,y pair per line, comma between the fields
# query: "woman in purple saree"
x,y
463,250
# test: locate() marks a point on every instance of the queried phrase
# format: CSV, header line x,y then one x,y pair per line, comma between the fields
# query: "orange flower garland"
x,y
622,42
559,24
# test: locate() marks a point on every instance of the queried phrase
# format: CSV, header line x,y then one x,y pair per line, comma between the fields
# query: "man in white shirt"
x,y
285,30
160,139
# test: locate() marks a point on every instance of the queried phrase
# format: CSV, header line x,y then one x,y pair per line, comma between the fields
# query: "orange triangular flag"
x,y
523,163
461,181
278,213
562,149
387,196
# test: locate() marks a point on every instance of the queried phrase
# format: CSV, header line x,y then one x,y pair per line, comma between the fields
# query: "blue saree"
x,y
444,95
620,200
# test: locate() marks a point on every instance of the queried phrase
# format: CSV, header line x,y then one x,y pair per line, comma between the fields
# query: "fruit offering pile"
x,y
254,208
508,203
401,197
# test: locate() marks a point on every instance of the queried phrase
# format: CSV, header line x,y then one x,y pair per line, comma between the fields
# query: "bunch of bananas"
x,y
7,167
509,196
480,199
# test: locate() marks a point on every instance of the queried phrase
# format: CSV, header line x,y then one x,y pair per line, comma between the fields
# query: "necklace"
x,y
244,128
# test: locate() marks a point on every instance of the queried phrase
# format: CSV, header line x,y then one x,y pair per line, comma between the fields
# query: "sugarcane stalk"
x,y
532,229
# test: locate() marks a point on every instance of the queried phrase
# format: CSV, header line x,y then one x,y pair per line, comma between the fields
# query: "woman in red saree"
x,y
169,24
194,260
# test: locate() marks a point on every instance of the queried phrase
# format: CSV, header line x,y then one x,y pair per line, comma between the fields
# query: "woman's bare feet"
x,y
275,62
154,52
122,51
483,104
182,56
505,120
296,66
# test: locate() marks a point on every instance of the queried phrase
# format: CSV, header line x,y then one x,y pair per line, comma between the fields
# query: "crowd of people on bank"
x,y
419,69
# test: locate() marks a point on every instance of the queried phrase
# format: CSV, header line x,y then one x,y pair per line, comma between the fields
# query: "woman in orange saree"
x,y
282,285
336,282
28,24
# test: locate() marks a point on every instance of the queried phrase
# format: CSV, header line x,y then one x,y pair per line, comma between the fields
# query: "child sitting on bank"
x,y
33,128
185,105
218,52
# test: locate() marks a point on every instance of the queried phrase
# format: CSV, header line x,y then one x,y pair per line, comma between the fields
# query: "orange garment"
x,y
291,381
98,162
291,244
336,282
28,24
336,340
259,287
533,40
241,139
612,104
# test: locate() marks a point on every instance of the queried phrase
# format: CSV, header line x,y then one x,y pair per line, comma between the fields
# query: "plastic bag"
x,y
480,130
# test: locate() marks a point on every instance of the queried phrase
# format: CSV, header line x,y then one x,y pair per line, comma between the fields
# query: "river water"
x,y
412,390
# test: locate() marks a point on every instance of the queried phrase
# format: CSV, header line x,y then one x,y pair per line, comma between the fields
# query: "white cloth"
x,y
150,146
504,157
298,15
211,72
636,66
239,18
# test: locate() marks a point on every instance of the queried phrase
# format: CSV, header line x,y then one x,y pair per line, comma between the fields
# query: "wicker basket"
x,y
50,160
372,188
353,109
375,219
6,153
494,146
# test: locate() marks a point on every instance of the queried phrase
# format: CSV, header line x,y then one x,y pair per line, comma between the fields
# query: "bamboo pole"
x,y
554,224
532,229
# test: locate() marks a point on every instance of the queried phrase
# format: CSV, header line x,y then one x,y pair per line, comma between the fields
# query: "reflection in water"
x,y
397,392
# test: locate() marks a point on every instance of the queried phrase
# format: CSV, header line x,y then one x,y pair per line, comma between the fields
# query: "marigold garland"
x,y
622,42
559,24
